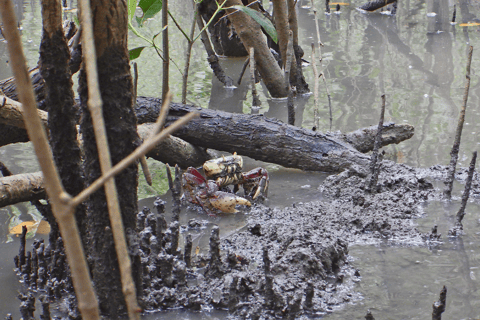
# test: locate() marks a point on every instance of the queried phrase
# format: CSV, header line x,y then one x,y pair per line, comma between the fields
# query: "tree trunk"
x,y
251,35
59,102
116,87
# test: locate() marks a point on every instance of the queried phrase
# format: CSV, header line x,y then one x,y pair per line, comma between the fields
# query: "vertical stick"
x,y
256,101
166,54
466,192
188,54
288,70
458,134
95,106
319,42
135,82
372,181
439,306
315,89
329,99
60,200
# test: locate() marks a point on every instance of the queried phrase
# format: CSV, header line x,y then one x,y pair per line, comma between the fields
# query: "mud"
x,y
291,262
294,261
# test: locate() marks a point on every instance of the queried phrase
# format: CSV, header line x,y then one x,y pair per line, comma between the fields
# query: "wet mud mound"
x,y
294,261
285,263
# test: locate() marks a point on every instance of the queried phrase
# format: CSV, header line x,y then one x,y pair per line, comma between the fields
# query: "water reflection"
x,y
403,282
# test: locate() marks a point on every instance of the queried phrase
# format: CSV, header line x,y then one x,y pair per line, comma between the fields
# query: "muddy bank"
x,y
286,262
294,261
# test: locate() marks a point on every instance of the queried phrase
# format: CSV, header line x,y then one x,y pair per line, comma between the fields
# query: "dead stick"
x,y
256,101
329,99
188,54
143,160
439,306
166,54
60,200
244,68
315,88
466,192
95,107
458,134
319,41
372,182
288,69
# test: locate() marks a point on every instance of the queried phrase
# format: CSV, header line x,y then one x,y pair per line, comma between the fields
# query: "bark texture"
x,y
260,138
21,187
116,87
59,102
251,35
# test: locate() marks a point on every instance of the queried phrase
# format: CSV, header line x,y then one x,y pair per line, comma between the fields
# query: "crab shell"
x,y
226,202
223,165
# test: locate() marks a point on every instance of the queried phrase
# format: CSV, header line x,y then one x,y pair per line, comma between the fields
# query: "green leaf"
x,y
135,53
263,21
75,19
132,6
150,8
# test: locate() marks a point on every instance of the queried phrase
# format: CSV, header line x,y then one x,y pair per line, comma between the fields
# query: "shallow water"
x,y
417,59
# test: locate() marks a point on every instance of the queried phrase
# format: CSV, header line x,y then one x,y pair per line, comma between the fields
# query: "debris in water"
x,y
439,306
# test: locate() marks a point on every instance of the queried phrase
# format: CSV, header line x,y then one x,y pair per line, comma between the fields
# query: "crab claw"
x,y
226,202
256,182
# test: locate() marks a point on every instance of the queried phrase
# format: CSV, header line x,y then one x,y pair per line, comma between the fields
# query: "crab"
x,y
210,192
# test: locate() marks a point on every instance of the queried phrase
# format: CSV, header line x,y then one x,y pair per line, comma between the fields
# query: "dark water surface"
x,y
417,58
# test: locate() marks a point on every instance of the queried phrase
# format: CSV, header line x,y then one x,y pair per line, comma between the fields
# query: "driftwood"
x,y
375,4
269,140
21,187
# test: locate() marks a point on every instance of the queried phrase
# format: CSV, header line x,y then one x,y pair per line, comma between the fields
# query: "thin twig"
x,y
374,168
95,107
60,200
288,69
315,89
329,99
166,54
161,117
188,54
466,192
143,160
319,42
146,170
458,134
256,101
244,68
141,150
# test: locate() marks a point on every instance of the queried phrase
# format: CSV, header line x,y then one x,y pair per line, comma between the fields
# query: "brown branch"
x,y
256,101
166,53
188,54
458,134
315,89
95,107
21,187
62,209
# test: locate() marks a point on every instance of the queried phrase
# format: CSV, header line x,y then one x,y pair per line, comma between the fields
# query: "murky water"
x,y
416,58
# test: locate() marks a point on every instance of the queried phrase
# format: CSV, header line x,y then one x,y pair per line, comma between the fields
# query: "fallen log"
x,y
21,187
270,140
375,4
